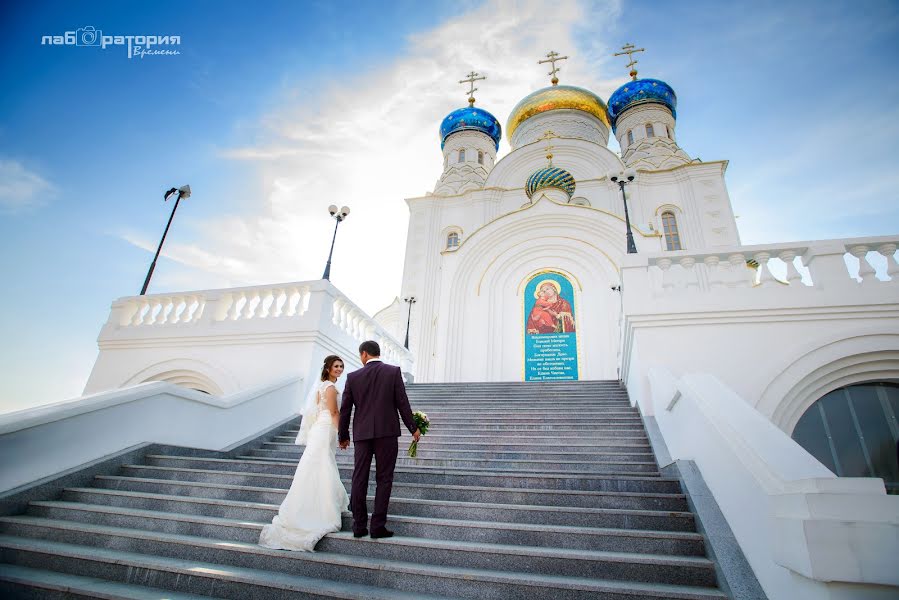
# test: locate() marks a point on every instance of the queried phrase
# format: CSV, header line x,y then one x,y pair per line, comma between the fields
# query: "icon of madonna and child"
x,y
551,312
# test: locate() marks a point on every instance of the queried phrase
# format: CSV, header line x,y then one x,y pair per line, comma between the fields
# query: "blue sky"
x,y
273,111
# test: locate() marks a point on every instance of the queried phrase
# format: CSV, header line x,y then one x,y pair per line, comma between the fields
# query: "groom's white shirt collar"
x,y
374,360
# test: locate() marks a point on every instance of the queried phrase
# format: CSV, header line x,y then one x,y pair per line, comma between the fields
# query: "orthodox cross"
x,y
472,77
552,57
548,135
630,50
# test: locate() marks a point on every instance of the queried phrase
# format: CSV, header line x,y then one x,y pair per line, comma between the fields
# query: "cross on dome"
x,y
552,57
549,135
630,50
471,78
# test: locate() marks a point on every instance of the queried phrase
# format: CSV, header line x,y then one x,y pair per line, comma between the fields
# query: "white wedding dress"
x,y
317,498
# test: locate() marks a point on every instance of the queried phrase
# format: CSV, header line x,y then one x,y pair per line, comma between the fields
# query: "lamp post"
x,y
410,301
183,192
339,216
623,179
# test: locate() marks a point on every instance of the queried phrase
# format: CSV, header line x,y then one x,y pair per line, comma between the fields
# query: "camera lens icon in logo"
x,y
87,36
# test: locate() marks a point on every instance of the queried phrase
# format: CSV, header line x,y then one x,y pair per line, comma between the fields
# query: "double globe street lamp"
x,y
622,179
339,215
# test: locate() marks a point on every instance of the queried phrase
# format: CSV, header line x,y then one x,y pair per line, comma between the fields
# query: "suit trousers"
x,y
384,450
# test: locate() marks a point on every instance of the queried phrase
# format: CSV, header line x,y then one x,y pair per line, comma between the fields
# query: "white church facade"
x,y
774,368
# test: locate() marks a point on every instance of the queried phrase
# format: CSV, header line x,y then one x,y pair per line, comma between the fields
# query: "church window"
x,y
853,432
452,240
667,133
480,157
630,137
672,235
462,155
650,131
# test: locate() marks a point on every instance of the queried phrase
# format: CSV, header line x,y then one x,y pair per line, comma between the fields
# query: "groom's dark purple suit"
x,y
378,393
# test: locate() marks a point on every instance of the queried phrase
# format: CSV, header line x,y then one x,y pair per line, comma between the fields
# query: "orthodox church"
x,y
539,236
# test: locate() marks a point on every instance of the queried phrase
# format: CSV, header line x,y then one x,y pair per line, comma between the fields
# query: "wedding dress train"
x,y
317,497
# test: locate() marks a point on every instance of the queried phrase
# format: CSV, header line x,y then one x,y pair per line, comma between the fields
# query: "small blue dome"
x,y
550,177
639,92
470,118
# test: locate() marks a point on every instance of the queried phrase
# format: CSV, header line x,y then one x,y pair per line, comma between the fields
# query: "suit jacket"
x,y
377,392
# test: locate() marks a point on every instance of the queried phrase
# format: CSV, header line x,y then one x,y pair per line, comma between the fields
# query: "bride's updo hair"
x,y
329,362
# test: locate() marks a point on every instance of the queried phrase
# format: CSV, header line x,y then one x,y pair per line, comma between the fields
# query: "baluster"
x,y
187,315
138,317
261,311
765,276
665,265
865,270
789,257
152,314
888,251
291,301
303,302
178,309
742,278
235,309
712,264
276,309
247,312
687,264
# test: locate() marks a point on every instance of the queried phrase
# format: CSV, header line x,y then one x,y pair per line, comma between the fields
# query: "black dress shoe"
x,y
381,533
359,534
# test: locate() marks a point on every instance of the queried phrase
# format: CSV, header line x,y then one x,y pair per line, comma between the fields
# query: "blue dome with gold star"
x,y
641,91
472,119
550,177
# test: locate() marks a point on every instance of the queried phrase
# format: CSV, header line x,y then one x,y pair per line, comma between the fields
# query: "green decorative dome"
x,y
550,177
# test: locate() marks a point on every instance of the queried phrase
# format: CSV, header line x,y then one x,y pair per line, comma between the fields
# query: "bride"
x,y
317,498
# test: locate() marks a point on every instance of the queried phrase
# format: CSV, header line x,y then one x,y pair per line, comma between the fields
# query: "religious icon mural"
x,y
550,329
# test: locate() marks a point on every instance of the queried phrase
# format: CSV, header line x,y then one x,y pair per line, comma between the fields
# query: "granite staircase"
x,y
536,491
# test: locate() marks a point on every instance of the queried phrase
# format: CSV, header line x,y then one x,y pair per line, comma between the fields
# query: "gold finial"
x,y
630,51
472,77
552,57
548,135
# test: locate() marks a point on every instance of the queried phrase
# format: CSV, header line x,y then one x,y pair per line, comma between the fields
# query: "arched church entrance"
x,y
853,431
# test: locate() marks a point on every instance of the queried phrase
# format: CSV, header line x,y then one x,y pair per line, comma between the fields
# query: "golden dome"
x,y
554,98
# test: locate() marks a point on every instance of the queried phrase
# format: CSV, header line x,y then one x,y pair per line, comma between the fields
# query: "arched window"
x,y
672,236
462,155
853,432
650,132
480,157
452,240
630,137
667,132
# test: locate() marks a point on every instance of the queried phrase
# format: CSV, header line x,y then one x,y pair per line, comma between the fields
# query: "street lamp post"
x,y
339,216
623,179
410,300
183,192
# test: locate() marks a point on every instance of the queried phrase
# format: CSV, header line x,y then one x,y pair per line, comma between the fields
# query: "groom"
x,y
377,392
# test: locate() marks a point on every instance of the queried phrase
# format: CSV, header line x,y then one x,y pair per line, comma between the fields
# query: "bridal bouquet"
x,y
422,422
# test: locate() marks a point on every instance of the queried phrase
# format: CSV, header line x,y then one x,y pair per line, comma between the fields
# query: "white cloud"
x,y
21,190
369,140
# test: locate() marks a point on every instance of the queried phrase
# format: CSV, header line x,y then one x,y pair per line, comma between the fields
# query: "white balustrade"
x,y
825,264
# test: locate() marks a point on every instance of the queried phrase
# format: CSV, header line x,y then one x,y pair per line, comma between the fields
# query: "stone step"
x,y
473,434
425,476
425,450
338,554
203,578
457,493
548,536
476,511
218,473
530,445
23,583
345,458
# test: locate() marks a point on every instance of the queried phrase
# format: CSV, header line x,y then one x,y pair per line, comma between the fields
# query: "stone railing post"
x,y
827,267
